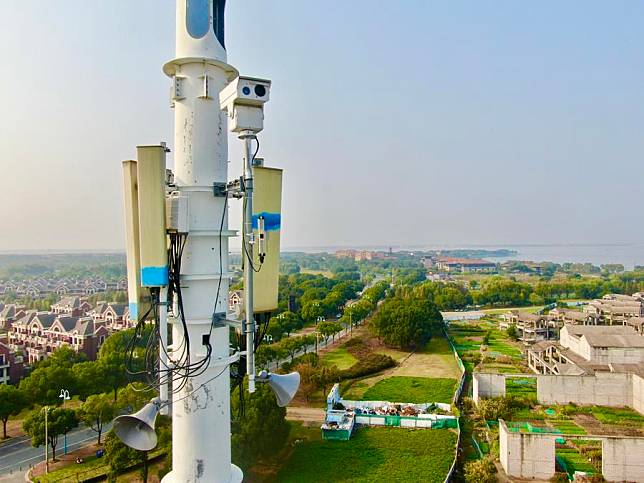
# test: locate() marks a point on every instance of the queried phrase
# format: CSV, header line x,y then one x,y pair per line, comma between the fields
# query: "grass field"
x,y
412,390
340,357
373,454
435,360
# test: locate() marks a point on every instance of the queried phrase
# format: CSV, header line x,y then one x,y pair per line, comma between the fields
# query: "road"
x,y
17,455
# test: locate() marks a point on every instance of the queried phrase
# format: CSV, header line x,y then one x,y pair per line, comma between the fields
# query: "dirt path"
x,y
305,414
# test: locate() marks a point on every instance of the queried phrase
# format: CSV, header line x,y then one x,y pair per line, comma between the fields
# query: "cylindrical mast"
x,y
201,415
247,256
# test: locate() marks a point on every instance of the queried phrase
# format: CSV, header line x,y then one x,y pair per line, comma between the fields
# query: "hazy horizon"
x,y
463,124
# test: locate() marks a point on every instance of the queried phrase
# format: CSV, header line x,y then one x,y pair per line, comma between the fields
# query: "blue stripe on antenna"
x,y
154,276
272,221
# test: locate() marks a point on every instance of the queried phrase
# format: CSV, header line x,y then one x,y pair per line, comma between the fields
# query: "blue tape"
x,y
154,276
272,221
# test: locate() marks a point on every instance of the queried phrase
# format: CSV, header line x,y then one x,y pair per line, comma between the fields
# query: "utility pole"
x,y
201,420
46,408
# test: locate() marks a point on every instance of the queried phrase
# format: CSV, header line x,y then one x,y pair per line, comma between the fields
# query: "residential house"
x,y
74,306
37,334
11,366
9,314
235,300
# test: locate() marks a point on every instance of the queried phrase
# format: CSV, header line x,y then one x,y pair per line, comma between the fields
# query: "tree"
x,y
312,310
512,332
262,431
406,321
119,456
96,411
12,401
111,357
267,354
134,396
292,345
275,329
43,385
325,377
289,321
91,378
59,421
64,356
308,379
328,329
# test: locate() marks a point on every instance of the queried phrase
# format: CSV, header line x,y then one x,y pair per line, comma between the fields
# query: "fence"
x,y
455,399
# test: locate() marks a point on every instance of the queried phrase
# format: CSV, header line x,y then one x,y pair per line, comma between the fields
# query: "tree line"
x,y
498,291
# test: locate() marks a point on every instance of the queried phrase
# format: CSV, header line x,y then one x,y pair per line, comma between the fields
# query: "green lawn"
x,y
91,467
340,357
373,454
412,390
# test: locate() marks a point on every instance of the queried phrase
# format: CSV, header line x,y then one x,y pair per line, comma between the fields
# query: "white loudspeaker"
x,y
284,386
137,430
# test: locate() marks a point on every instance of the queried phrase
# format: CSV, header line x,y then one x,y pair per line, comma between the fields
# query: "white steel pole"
x,y
249,242
163,347
201,410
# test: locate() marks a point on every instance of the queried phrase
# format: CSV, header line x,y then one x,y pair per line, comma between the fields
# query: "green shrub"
x,y
559,478
311,358
372,364
493,408
480,471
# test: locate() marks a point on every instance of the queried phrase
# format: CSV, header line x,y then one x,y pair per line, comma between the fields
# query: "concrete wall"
x,y
526,455
623,459
487,385
571,342
638,393
604,389
616,355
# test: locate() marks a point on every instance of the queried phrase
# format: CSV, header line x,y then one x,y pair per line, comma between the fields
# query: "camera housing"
x,y
243,99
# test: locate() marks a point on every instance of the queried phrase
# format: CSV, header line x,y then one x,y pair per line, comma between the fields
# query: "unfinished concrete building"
x,y
589,349
532,455
616,309
575,317
531,328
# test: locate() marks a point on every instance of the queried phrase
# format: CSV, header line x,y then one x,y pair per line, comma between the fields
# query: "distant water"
x,y
628,254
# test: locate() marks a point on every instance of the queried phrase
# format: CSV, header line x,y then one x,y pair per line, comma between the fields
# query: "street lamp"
x,y
46,409
64,395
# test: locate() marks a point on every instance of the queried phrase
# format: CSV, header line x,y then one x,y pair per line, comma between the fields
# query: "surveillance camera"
x,y
243,100
245,91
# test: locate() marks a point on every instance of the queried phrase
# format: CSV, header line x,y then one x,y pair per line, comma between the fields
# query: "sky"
x,y
396,123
